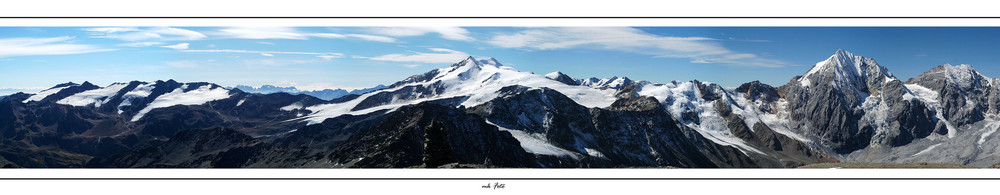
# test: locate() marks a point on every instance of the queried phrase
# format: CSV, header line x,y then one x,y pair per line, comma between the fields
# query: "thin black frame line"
x,y
490,17
504,179
498,17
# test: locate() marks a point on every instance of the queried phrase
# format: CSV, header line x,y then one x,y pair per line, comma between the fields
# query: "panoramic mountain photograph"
x,y
499,97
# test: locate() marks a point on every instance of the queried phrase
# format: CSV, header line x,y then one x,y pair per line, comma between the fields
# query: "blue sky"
x,y
312,58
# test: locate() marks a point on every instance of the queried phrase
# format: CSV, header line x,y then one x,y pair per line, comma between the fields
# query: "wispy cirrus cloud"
x,y
372,38
45,46
739,59
261,33
141,44
326,56
146,33
360,36
331,56
291,33
442,56
446,32
178,46
631,40
750,40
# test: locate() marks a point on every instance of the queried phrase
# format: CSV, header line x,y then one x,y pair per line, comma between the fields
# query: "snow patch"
x,y
140,91
990,129
293,106
536,143
552,75
202,95
97,97
928,149
594,153
930,97
42,94
924,94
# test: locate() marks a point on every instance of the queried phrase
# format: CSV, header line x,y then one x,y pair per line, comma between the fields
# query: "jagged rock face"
x,y
560,121
630,125
538,111
847,101
993,99
782,150
756,90
963,92
908,119
427,135
629,90
633,131
762,96
709,92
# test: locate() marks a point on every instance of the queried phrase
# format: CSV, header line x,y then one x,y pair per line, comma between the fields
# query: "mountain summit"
x,y
851,102
846,70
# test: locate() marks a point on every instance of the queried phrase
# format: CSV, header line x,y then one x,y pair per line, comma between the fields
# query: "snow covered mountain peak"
x,y
489,61
845,69
963,75
842,54
467,83
614,82
472,61
961,69
554,75
563,78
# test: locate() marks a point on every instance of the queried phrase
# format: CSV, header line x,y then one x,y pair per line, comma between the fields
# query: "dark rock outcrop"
x,y
204,148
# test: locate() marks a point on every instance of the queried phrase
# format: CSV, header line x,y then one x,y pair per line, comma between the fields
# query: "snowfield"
x,y
536,143
97,97
140,91
43,94
202,95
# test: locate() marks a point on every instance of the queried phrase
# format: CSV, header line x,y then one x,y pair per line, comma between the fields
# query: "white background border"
x,y
434,8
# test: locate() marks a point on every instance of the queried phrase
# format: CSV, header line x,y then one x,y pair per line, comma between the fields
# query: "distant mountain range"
x,y
481,113
326,94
